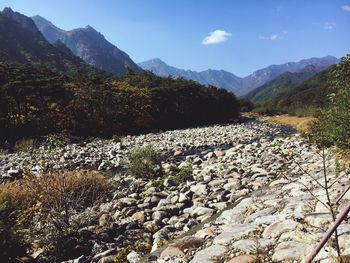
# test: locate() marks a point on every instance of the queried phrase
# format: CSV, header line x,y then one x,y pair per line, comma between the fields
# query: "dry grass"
x,y
301,124
77,189
24,145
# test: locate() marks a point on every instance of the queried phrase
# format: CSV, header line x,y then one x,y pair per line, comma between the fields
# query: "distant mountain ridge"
x,y
23,43
88,44
233,83
280,84
219,78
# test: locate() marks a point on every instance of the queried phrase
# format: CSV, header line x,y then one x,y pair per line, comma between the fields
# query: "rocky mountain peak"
x,y
88,44
22,20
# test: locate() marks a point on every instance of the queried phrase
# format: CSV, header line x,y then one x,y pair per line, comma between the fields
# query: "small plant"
x,y
12,243
326,182
182,174
24,145
121,255
185,174
50,207
116,138
144,162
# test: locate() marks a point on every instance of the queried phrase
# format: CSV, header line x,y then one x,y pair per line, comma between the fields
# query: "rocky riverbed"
x,y
246,200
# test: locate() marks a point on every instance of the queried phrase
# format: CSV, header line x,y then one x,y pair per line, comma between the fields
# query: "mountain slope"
x,y
218,78
89,45
304,98
262,76
227,80
311,92
283,82
22,42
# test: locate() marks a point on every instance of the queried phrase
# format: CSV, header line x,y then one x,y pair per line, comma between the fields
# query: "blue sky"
x,y
236,35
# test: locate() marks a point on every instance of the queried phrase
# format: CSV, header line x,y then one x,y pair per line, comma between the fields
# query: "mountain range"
x,y
88,44
233,83
22,42
280,84
37,40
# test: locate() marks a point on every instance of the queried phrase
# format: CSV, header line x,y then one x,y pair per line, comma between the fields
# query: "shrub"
x,y
24,145
333,125
144,162
77,190
183,174
50,205
12,243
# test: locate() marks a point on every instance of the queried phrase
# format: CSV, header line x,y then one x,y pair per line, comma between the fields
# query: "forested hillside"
x,y
22,42
37,100
305,98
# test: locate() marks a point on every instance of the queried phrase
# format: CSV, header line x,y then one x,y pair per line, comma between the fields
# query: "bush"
x,y
24,145
12,243
333,125
49,207
183,174
144,162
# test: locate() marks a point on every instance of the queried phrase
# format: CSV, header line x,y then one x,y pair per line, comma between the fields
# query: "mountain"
x,y
262,76
303,98
310,93
89,45
283,82
218,78
227,80
22,42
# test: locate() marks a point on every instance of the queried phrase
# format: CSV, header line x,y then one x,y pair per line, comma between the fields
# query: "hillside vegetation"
x,y
333,125
303,99
37,101
274,88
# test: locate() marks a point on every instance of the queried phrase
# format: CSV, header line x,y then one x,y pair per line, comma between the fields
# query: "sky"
x,y
239,36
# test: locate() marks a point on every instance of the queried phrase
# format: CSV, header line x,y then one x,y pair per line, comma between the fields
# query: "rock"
x,y
139,216
318,219
260,213
200,211
209,254
276,229
188,243
172,252
127,201
232,215
104,219
252,246
159,215
344,241
183,198
205,232
198,189
219,206
104,254
232,185
289,251
234,232
133,257
108,259
269,219
242,259
169,182
151,227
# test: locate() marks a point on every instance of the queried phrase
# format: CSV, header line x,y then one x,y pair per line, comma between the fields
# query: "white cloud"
x,y
346,8
273,37
216,37
329,26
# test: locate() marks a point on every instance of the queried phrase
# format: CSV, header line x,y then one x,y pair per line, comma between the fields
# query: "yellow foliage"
x,y
301,124
52,191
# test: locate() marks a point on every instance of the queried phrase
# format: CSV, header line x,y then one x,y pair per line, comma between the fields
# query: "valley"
x,y
106,160
253,172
